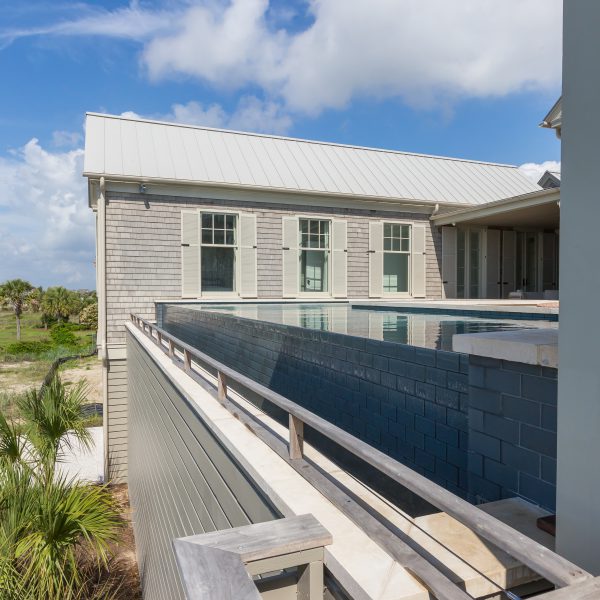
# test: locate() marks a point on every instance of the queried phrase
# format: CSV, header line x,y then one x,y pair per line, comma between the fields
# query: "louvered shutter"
x,y
418,259
290,256
190,254
247,253
449,266
339,254
375,259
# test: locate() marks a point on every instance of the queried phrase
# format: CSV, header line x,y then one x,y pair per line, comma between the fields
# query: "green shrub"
x,y
36,347
62,335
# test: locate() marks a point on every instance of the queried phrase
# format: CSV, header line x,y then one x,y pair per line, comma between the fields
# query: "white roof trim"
x,y
553,120
497,208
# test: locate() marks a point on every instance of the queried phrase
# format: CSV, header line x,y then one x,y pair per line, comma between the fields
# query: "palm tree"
x,y
15,294
49,525
58,303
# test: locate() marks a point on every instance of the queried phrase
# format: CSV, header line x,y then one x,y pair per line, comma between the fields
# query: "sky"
x,y
467,78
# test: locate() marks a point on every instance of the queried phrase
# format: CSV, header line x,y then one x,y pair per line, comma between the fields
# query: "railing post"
x,y
171,348
159,339
221,387
187,361
296,427
310,581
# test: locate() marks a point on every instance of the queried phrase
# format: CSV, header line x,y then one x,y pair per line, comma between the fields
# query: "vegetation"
x,y
15,294
55,533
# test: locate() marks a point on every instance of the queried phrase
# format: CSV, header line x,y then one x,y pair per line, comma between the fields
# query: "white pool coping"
x,y
529,346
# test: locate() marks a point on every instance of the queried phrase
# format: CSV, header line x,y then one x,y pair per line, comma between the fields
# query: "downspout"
x,y
102,346
436,210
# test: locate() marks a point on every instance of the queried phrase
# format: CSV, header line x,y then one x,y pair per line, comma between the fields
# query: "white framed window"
x,y
218,250
396,258
314,255
218,254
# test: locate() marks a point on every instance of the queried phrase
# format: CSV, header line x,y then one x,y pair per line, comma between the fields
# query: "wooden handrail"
x,y
219,564
540,559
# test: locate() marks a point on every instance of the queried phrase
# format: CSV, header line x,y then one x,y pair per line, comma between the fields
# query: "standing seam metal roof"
x,y
126,148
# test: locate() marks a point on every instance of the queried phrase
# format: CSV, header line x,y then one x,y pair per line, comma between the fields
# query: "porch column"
x,y
578,483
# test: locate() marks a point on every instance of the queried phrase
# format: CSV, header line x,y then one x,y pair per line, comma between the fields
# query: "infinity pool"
x,y
417,329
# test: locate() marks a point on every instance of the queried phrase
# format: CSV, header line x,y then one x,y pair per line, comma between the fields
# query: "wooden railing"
x,y
548,564
221,564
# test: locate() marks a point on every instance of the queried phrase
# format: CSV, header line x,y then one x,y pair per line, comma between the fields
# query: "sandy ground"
x,y
89,369
86,464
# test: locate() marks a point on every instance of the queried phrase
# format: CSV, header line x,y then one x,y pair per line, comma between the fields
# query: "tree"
x,y
50,526
58,303
89,316
34,302
15,294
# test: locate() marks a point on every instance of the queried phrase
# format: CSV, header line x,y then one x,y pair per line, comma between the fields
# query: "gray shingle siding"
x,y
143,250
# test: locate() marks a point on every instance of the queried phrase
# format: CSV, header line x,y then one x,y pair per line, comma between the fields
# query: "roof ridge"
x,y
292,139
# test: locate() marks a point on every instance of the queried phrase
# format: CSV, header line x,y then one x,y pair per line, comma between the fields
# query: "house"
x,y
190,212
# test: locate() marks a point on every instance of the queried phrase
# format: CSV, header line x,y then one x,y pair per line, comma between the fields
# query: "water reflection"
x,y
417,329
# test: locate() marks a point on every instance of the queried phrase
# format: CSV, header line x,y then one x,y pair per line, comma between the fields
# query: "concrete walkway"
x,y
84,464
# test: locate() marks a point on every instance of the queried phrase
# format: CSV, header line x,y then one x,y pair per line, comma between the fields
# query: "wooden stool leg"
x,y
310,581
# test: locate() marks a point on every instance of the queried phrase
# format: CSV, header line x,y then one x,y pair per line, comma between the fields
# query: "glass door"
x,y
527,261
468,263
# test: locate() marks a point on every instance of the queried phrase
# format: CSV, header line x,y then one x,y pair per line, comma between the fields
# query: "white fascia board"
x,y
498,208
269,195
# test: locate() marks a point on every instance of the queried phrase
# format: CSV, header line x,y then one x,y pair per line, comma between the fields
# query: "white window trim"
x,y
409,293
315,217
225,211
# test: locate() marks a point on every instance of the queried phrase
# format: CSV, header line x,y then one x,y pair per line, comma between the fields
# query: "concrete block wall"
x,y
512,431
407,401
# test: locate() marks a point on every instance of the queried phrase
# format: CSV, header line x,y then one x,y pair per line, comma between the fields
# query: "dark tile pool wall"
x,y
483,428
512,431
409,402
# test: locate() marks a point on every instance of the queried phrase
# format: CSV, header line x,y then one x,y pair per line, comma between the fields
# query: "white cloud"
x,y
251,114
66,139
46,228
535,170
426,53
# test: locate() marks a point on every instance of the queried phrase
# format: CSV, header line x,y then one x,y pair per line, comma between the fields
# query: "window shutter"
x,y
190,254
291,258
449,266
339,267
419,267
375,259
247,251
492,263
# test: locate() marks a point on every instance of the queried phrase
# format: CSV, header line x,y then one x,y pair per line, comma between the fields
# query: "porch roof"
x,y
538,209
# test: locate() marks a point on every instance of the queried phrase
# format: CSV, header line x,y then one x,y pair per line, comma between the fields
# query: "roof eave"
x,y
423,202
506,204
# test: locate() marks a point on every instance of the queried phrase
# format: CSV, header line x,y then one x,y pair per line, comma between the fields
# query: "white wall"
x,y
578,496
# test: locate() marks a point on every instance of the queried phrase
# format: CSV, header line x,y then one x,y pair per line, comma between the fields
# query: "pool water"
x,y
417,329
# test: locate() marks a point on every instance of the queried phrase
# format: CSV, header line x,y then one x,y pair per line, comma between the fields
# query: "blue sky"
x,y
470,79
